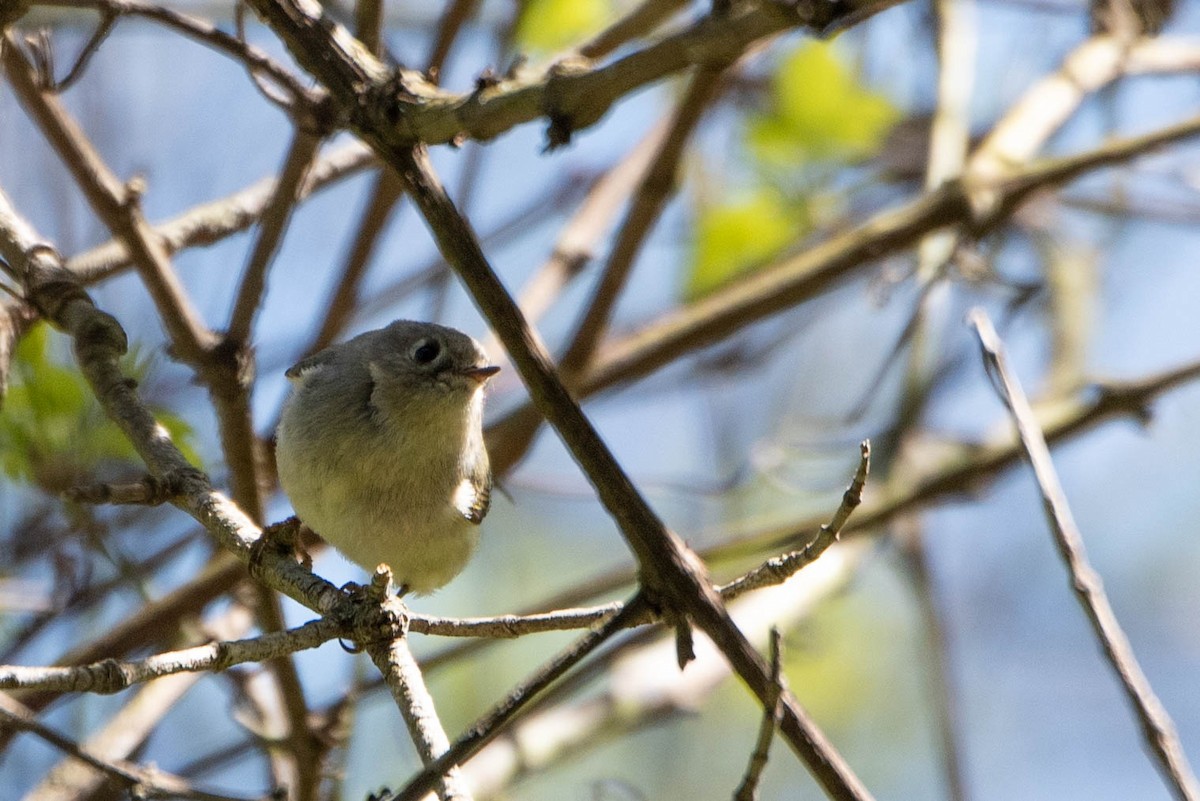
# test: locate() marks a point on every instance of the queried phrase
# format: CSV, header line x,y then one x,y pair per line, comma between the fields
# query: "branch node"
x,y
284,539
135,188
486,79
106,677
562,122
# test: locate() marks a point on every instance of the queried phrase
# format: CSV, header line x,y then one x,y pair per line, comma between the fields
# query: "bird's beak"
x,y
481,373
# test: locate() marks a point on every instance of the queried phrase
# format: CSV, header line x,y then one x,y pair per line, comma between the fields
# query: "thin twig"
x,y
108,19
255,60
216,220
454,16
368,24
1157,727
641,20
940,680
148,782
396,664
275,218
780,568
122,735
111,675
655,189
380,208
748,789
494,721
115,203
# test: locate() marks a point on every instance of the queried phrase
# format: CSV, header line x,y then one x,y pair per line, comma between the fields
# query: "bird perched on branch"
x,y
380,449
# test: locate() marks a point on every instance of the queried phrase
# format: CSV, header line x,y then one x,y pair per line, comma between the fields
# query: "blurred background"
x,y
940,646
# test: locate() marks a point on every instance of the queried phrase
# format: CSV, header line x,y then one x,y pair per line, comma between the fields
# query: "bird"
x,y
380,449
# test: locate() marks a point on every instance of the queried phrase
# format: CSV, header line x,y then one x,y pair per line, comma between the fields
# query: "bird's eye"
x,y
426,351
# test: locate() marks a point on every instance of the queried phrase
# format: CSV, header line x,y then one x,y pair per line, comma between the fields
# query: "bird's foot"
x,y
283,538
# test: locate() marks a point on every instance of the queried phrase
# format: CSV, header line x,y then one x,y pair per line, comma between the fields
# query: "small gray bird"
x,y
380,449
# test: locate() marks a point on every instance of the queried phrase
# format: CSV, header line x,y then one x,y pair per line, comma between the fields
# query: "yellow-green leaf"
x,y
52,429
734,237
550,25
819,111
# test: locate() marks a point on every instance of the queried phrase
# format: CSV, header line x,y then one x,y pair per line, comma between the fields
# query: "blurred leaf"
x,y
52,429
734,237
818,111
550,25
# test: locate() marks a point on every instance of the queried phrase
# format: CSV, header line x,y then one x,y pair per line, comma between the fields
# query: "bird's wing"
x,y
310,363
475,503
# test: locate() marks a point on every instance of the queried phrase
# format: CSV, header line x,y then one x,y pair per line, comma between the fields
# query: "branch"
x,y
803,277
396,664
571,95
146,782
641,20
111,675
493,722
211,222
148,491
275,219
669,571
256,61
99,343
121,736
781,568
1051,101
667,568
748,789
115,203
1157,727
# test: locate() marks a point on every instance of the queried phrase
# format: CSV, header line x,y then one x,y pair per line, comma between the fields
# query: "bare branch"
x,y
390,652
572,96
492,723
149,491
748,789
211,222
121,736
256,61
115,203
1157,727
644,18
111,676
781,568
148,782
275,218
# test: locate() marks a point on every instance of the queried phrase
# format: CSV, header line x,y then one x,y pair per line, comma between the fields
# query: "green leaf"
x,y
736,236
550,25
818,111
52,429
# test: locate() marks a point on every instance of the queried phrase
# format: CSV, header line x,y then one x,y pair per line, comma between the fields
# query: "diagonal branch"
x,y
211,222
670,573
570,94
147,782
275,219
1157,727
